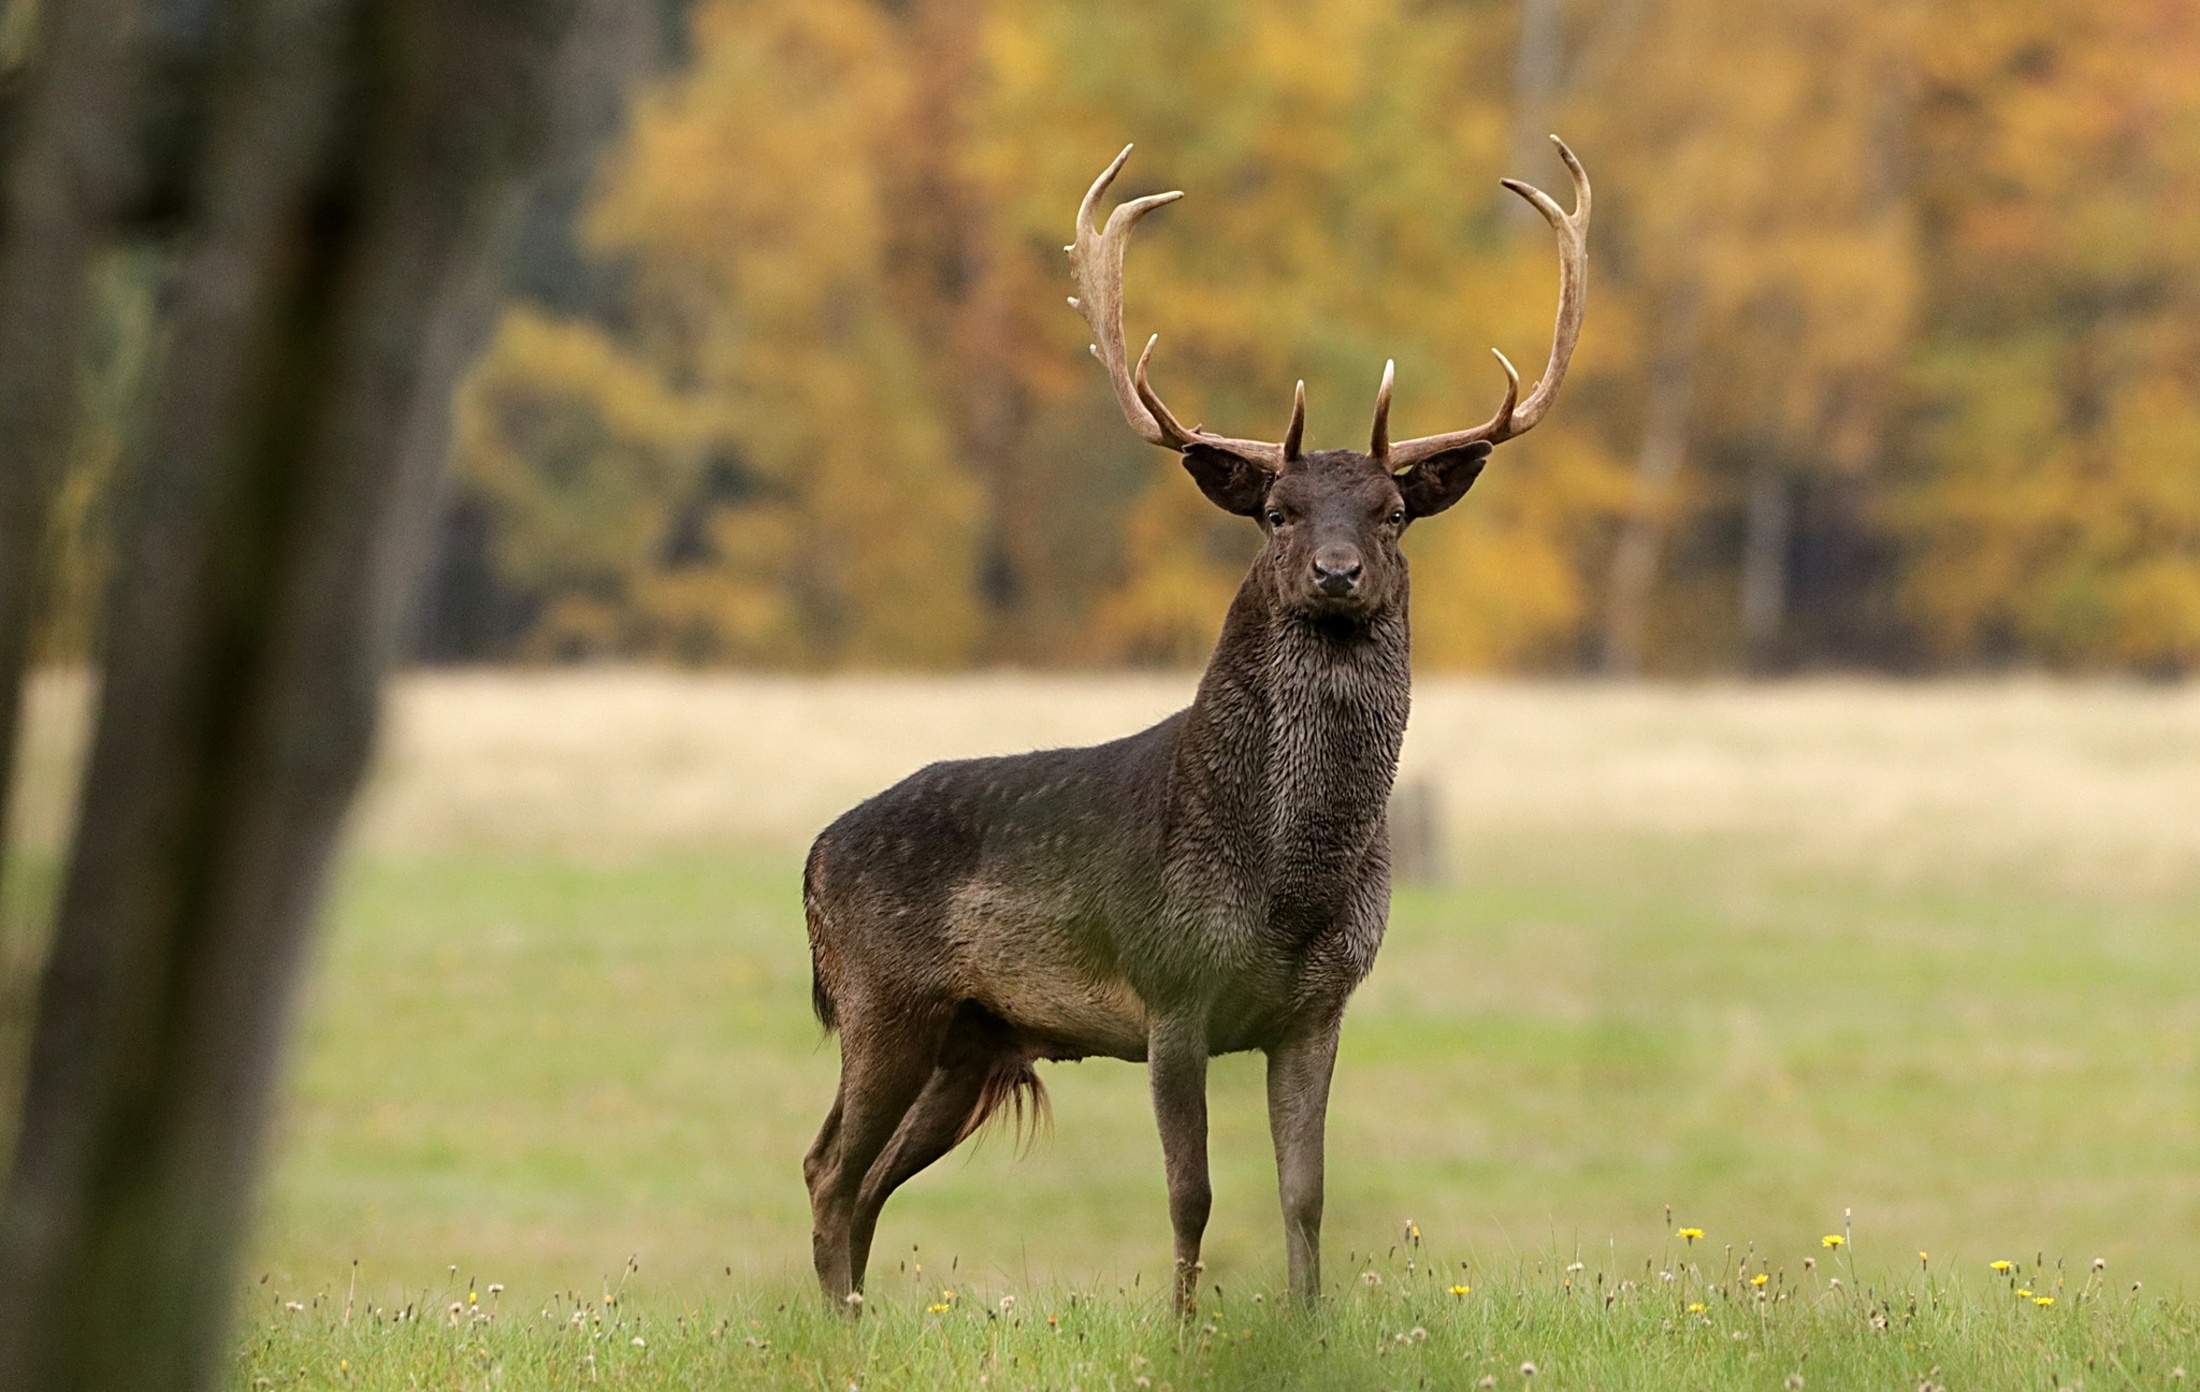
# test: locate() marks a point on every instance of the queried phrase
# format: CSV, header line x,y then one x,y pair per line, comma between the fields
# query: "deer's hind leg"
x,y
885,1061
931,1128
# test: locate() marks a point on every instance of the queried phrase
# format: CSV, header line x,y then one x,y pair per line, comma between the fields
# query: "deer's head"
x,y
1332,517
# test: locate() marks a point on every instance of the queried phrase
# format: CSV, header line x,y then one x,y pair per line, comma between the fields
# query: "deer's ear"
x,y
1230,483
1442,479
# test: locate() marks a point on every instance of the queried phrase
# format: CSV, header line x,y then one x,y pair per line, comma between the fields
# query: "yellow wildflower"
x,y
1697,1307
1833,1239
1759,1279
1462,1290
1690,1234
2000,1266
2043,1300
938,1308
2023,1293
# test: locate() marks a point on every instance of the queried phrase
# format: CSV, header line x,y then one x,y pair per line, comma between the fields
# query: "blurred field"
x,y
1761,953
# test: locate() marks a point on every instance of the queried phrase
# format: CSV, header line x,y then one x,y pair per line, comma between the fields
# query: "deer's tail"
x,y
1011,1085
821,992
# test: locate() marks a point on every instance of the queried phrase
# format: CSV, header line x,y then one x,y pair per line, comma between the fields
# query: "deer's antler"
x,y
1096,263
1573,286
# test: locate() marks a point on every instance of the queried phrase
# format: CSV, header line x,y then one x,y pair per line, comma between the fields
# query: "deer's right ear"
x,y
1231,482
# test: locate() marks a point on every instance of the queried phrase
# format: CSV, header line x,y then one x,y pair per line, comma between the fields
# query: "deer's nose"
x,y
1336,571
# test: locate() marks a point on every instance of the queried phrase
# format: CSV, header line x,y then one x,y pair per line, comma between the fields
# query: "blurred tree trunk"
x,y
360,169
1769,520
1538,62
66,162
1657,465
954,269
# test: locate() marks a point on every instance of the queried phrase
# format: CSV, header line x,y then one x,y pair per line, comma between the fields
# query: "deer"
x,y
1217,883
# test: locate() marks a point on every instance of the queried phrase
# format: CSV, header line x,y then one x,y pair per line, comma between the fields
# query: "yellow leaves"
x,y
843,415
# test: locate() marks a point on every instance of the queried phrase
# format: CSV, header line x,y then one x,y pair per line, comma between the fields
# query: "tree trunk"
x,y
362,162
68,168
1657,465
1538,60
1765,561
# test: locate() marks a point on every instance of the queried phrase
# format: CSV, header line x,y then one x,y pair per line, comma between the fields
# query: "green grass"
x,y
1671,1323
527,1072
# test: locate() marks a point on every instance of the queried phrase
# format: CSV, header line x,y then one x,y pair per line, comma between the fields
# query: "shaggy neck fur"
x,y
1297,728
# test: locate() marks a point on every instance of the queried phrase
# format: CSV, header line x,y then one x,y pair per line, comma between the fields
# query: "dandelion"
x,y
2023,1293
1833,1239
1689,1235
1697,1307
472,1298
1462,1290
1371,1278
1924,1259
640,1342
1998,1266
2100,1263
496,1288
1759,1280
938,1307
2043,1301
1008,1303
1527,1370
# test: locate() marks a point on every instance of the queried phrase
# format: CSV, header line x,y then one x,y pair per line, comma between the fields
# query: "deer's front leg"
x,y
1176,1054
1298,1105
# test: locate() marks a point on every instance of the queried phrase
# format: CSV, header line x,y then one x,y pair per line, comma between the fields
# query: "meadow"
x,y
1912,966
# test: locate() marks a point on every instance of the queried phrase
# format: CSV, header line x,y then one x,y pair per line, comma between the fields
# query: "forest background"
x,y
1892,359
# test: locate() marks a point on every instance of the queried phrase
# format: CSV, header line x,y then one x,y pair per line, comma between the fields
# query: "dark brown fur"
x,y
1218,882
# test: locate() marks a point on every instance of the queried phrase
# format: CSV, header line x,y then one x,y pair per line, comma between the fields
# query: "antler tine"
x,y
1378,441
1096,264
1297,432
1514,419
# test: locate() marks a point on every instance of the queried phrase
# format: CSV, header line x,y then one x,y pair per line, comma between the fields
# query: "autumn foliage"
x,y
1893,350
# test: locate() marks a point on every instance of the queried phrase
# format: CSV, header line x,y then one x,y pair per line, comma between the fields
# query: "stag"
x,y
1219,882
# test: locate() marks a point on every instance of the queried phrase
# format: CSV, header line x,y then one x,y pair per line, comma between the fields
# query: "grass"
x,y
524,1072
1407,1322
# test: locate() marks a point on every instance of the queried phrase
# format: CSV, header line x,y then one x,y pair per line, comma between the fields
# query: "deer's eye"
x,y
1275,518
1398,518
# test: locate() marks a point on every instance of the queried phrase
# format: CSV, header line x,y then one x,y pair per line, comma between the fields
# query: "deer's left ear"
x,y
1442,479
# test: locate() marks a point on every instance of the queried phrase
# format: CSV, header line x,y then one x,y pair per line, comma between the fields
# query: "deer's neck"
x,y
1298,726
